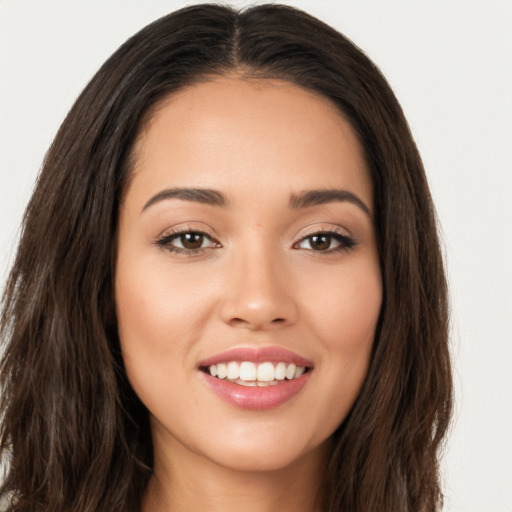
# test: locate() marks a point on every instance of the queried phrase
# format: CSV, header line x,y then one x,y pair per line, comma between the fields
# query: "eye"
x,y
187,242
190,241
326,242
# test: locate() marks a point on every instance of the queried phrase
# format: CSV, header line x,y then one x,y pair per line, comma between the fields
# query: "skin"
x,y
258,283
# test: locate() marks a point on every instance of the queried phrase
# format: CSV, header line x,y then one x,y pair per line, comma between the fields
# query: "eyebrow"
x,y
305,199
323,196
198,195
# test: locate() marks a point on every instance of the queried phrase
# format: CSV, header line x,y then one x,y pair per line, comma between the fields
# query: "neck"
x,y
195,484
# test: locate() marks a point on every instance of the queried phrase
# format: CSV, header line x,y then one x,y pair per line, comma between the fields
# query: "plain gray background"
x,y
450,64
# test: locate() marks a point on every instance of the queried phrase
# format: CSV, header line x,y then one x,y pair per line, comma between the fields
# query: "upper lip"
x,y
272,354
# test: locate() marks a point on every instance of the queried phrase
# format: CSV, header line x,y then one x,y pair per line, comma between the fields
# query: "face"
x,y
248,284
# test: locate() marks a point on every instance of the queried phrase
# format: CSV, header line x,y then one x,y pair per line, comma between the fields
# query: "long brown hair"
x,y
74,436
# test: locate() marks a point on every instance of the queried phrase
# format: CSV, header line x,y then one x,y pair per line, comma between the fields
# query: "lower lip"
x,y
253,397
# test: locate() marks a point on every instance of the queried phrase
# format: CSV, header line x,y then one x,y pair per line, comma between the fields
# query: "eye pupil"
x,y
320,242
192,240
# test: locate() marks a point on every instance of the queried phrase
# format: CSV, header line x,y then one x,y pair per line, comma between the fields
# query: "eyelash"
x,y
346,242
166,240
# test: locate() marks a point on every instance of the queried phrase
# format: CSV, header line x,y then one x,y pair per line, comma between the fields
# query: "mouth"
x,y
256,378
254,374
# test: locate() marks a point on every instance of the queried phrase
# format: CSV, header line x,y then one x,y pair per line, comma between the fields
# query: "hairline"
x,y
237,72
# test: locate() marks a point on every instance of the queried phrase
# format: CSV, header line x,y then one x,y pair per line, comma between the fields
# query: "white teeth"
x,y
248,383
233,370
222,371
263,384
290,371
280,371
299,371
248,373
265,372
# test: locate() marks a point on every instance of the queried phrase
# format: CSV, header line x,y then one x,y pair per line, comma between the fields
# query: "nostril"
x,y
241,322
238,321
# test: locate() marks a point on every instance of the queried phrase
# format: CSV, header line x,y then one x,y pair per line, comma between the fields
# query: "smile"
x,y
256,378
248,373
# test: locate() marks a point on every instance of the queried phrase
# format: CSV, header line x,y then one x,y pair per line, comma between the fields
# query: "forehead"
x,y
221,132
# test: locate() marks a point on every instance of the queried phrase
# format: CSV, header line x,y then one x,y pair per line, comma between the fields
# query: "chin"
x,y
266,455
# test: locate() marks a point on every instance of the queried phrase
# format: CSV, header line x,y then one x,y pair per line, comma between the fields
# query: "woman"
x,y
228,291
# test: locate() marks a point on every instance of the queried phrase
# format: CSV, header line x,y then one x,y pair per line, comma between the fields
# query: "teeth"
x,y
255,383
290,371
248,373
299,371
280,372
222,371
266,372
263,384
233,370
249,383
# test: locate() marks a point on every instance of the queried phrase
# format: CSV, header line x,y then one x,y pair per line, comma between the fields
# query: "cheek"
x,y
154,304
158,325
157,319
346,326
345,320
352,316
345,305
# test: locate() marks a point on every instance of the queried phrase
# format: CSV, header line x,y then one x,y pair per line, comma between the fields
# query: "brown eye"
x,y
191,240
326,242
320,242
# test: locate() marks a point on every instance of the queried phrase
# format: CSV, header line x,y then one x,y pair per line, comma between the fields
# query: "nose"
x,y
258,293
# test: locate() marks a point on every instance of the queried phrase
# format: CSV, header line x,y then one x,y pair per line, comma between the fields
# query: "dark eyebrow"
x,y
198,195
323,196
